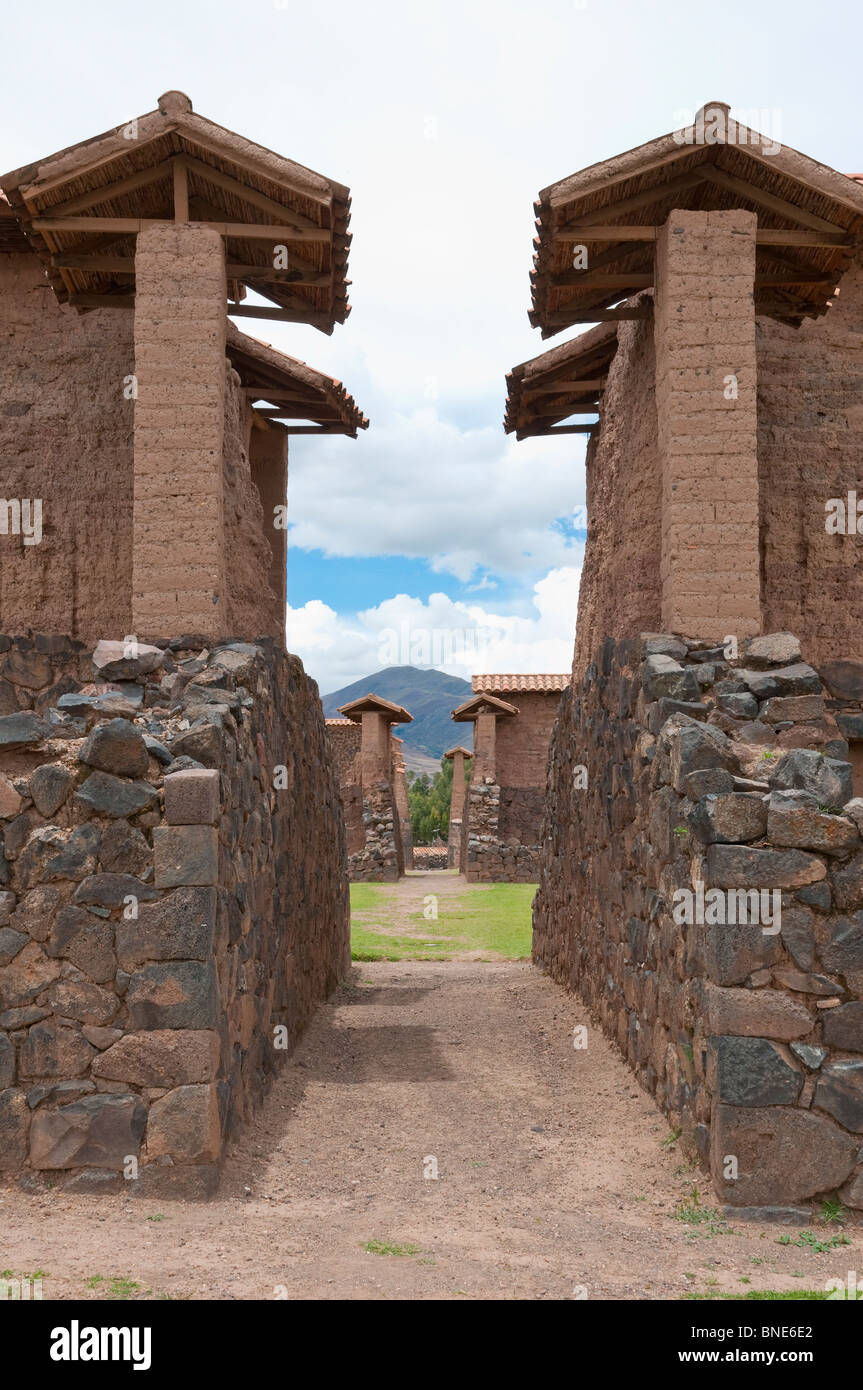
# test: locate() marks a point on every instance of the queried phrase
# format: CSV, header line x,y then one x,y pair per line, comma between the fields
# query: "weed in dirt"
x,y
813,1242
832,1212
118,1286
692,1211
672,1138
385,1247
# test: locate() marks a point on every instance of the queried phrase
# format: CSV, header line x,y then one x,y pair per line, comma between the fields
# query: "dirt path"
x,y
552,1170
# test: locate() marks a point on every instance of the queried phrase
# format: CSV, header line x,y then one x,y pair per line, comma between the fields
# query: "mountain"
x,y
428,695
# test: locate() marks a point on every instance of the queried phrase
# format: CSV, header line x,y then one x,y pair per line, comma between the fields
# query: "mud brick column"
x,y
178,564
484,758
375,751
456,804
706,406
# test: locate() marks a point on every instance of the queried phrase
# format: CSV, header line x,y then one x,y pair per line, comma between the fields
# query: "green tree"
x,y
429,801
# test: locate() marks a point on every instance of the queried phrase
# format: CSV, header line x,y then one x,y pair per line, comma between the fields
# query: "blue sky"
x,y
445,118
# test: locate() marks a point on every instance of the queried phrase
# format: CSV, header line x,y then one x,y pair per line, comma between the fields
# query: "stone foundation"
x,y
487,857
670,768
174,903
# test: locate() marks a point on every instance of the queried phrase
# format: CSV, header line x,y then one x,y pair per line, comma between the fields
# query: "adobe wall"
x,y
620,588
253,605
810,445
67,420
522,760
65,437
174,904
698,772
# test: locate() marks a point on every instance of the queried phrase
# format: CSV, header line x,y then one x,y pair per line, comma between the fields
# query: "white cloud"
x,y
465,499
459,637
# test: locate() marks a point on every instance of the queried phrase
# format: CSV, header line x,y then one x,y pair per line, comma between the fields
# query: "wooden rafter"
x,y
247,230
108,191
766,200
249,195
765,236
594,383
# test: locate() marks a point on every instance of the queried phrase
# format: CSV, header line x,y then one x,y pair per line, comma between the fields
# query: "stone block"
x,y
107,795
741,866
827,779
840,1092
802,827
784,1155
177,994
14,1128
100,1131
192,798
774,649
843,1027
185,855
116,747
755,1013
161,1057
185,1125
751,1071
730,817
49,786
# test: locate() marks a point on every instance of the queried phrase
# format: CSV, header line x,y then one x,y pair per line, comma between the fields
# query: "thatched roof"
x,y
297,391
481,704
134,173
374,704
810,220
564,380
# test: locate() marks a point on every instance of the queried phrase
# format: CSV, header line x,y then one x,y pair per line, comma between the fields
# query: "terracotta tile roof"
x,y
341,723
376,704
503,685
482,704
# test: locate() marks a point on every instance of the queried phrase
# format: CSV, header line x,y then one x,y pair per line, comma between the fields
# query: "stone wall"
x,y
174,903
671,768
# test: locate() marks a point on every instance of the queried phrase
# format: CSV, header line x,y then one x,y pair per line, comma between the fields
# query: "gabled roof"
x,y
373,704
566,380
297,391
810,219
482,704
451,752
136,172
512,684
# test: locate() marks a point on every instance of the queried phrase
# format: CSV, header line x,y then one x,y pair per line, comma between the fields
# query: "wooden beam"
x,y
249,195
258,311
557,429
251,231
765,236
264,393
563,319
732,184
248,272
319,429
310,412
657,194
102,301
778,282
110,190
589,383
181,192
565,413
125,265
203,211
635,280
115,265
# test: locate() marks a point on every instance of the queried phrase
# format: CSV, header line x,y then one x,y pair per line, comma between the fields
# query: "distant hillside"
x,y
428,695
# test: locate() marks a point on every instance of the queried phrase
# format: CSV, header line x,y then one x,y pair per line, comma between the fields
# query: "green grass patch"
x,y
386,1247
809,1240
491,919
763,1296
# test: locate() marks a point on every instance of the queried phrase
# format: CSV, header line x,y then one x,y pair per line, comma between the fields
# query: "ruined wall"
x,y
751,1041
173,895
810,446
521,751
65,437
344,740
620,584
